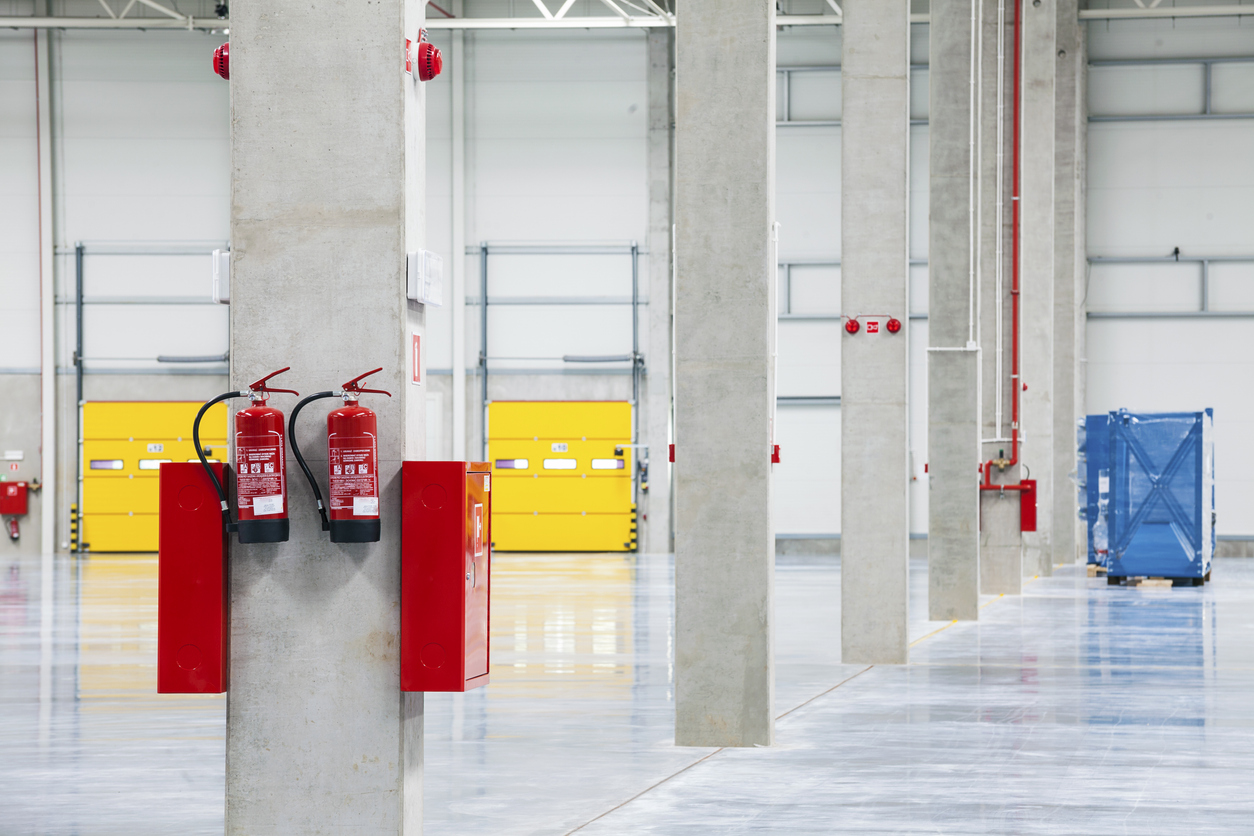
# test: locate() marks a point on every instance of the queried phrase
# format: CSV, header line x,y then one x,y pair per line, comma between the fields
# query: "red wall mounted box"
x,y
13,498
446,559
192,610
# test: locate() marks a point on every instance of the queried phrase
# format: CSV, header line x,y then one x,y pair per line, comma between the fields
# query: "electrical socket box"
x,y
192,604
222,277
446,562
424,278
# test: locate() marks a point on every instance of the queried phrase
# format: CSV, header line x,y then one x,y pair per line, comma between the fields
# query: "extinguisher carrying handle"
x,y
200,453
291,438
261,387
354,385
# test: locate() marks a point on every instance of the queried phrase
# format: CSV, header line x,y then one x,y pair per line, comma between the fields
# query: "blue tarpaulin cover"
x,y
1151,493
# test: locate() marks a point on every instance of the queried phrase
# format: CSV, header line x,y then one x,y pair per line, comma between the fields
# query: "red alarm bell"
x,y
852,326
222,60
893,325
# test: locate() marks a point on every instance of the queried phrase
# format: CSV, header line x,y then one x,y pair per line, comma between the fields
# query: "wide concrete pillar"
x,y
1069,272
953,388
1040,61
1001,546
656,524
874,367
724,372
327,195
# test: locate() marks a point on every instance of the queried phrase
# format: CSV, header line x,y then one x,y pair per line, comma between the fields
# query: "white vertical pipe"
x,y
1001,141
972,255
47,308
458,256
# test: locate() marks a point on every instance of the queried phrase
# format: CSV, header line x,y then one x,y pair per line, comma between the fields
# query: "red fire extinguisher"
x,y
260,465
353,462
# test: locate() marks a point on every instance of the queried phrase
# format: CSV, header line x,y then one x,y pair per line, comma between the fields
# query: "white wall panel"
x,y
1232,88
807,192
1153,186
807,479
540,335
126,336
919,173
917,411
1140,90
809,358
813,289
1232,287
1182,37
815,95
1152,365
1145,287
19,204
559,275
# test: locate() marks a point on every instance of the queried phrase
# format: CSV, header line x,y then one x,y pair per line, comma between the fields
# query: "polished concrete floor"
x,y
1074,708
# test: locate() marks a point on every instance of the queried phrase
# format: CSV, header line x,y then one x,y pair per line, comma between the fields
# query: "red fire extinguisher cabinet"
x,y
192,602
446,556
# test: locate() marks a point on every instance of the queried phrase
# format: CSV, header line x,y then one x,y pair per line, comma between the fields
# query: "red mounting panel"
x,y
446,559
192,607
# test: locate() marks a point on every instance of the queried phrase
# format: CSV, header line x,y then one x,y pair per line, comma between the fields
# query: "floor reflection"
x,y
1075,707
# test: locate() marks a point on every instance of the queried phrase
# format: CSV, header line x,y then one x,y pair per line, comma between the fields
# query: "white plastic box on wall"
x,y
222,277
424,277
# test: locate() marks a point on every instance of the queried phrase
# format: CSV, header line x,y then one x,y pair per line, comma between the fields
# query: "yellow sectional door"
x,y
124,443
562,479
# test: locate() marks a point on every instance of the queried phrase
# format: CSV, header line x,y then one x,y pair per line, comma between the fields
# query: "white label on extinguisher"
x,y
263,505
353,476
259,477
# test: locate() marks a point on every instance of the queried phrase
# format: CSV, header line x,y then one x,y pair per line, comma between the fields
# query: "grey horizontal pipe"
x,y
1145,62
140,300
1170,314
214,358
146,248
493,301
824,123
554,249
1163,259
196,370
808,400
1186,117
597,358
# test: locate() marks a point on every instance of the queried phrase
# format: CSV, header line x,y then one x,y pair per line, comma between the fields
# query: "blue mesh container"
x,y
1093,443
1159,515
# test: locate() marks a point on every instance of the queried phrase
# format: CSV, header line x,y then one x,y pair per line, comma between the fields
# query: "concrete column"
x,y
724,372
874,368
1068,285
656,510
1001,546
953,435
1040,62
327,196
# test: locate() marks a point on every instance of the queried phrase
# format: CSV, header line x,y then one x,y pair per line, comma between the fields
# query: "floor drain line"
x,y
710,755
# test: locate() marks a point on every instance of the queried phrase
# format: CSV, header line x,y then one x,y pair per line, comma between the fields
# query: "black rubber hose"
x,y
291,438
200,453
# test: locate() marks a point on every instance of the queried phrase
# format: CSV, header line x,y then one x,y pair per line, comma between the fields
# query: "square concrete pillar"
x,y
1001,544
327,182
1040,61
874,367
724,383
953,436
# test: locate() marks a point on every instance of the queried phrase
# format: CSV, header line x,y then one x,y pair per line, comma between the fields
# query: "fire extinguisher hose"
x,y
291,438
200,453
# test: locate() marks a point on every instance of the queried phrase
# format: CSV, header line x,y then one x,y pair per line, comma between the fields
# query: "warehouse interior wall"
x,y
557,153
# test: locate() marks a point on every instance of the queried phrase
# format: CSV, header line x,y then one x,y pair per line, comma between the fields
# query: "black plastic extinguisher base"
x,y
355,531
263,531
